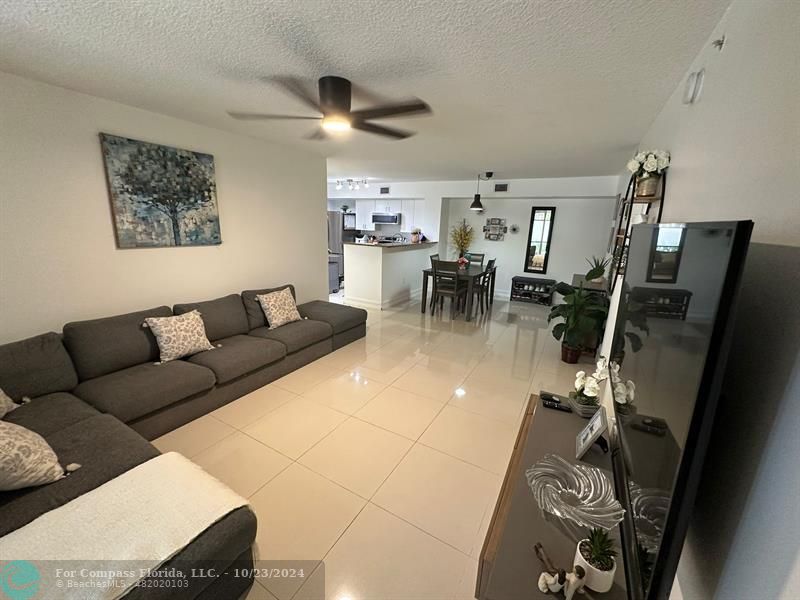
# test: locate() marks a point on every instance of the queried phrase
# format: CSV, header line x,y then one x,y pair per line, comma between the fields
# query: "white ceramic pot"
x,y
597,580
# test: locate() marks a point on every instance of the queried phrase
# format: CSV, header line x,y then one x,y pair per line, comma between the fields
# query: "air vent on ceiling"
x,y
385,190
500,187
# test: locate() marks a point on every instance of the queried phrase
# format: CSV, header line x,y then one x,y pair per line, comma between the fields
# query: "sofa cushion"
x,y
104,447
51,413
279,308
238,355
340,317
297,335
223,317
26,459
255,314
36,366
102,346
179,336
136,391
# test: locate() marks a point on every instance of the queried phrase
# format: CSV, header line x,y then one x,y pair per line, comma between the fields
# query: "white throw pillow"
x,y
279,307
6,404
179,336
26,459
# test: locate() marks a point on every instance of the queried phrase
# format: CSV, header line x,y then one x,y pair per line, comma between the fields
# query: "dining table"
x,y
470,273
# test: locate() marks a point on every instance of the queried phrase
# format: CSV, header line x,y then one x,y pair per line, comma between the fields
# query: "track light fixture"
x,y
352,184
476,201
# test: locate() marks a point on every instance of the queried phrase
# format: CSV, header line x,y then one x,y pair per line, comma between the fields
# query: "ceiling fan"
x,y
335,94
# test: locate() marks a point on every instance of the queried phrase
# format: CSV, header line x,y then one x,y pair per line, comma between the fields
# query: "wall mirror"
x,y
665,255
540,237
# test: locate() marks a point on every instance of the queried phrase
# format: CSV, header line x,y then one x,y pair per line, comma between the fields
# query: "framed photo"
x,y
597,425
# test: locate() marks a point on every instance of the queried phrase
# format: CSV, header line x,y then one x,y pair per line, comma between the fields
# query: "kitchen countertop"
x,y
393,245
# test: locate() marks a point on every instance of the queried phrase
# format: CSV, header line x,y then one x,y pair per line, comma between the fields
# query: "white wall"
x,y
58,258
736,155
580,230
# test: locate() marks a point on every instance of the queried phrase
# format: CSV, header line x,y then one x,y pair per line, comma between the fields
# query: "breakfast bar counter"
x,y
382,275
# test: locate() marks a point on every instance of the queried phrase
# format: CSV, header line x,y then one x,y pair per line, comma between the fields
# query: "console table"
x,y
508,568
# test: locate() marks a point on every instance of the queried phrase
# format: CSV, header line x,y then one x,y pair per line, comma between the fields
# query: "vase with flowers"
x,y
624,391
648,167
585,397
461,236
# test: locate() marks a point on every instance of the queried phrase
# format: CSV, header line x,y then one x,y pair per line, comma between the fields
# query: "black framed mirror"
x,y
540,239
665,255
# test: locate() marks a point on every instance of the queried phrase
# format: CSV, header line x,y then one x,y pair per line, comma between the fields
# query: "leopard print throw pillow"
x,y
179,336
279,307
26,459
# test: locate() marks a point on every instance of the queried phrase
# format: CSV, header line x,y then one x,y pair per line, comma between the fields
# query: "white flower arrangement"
x,y
624,391
652,162
587,387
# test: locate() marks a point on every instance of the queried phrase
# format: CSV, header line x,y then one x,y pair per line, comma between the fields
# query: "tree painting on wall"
x,y
160,195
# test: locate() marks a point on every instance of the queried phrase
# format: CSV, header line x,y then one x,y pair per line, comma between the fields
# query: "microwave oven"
x,y
385,218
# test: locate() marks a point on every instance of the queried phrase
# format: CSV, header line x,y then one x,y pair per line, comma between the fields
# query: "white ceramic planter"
x,y
596,580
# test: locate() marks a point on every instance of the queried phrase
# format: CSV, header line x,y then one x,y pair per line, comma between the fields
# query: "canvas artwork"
x,y
160,195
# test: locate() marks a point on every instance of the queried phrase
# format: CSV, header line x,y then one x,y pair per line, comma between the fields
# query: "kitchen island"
x,y
383,275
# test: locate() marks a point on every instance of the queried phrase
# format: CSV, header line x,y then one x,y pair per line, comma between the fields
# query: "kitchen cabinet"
x,y
388,206
364,210
413,214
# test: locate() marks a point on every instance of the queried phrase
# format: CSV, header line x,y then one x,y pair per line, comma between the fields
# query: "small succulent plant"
x,y
598,550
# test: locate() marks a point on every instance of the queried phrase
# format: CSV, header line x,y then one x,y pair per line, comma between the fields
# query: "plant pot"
x,y
596,580
570,355
646,187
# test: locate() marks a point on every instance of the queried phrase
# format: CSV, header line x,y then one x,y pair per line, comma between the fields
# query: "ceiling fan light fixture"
x,y
335,123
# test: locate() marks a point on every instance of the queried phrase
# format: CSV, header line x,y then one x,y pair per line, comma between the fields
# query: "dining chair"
x,y
434,258
483,286
476,258
446,284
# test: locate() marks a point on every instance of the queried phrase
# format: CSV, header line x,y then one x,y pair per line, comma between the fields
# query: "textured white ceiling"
x,y
538,88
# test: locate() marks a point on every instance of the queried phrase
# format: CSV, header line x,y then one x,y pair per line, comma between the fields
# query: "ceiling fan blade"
x,y
265,117
392,110
296,88
317,135
397,134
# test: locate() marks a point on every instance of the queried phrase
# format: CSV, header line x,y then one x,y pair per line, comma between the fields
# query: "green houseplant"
x,y
461,236
631,313
583,315
596,554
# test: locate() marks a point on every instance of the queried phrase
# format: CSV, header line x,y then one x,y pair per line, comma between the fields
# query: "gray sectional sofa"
x,y
97,395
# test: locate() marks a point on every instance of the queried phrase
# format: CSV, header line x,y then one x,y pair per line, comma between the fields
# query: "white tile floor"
x,y
384,458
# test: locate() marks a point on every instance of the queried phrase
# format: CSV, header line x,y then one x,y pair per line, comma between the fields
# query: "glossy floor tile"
x,y
481,441
345,391
194,437
400,411
242,463
295,427
439,494
307,377
242,412
382,557
357,456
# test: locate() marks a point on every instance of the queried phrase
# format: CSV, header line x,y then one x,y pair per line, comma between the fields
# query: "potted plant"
x,y
624,391
598,265
344,208
596,554
461,236
631,311
648,167
583,312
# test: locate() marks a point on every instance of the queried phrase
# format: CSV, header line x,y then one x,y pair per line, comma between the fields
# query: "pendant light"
x,y
476,202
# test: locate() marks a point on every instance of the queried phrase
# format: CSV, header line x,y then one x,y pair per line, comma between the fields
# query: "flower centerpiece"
x,y
648,167
585,396
463,261
624,391
462,236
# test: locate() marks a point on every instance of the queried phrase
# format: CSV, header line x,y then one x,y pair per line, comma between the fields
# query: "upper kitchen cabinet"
x,y
364,210
388,206
413,214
